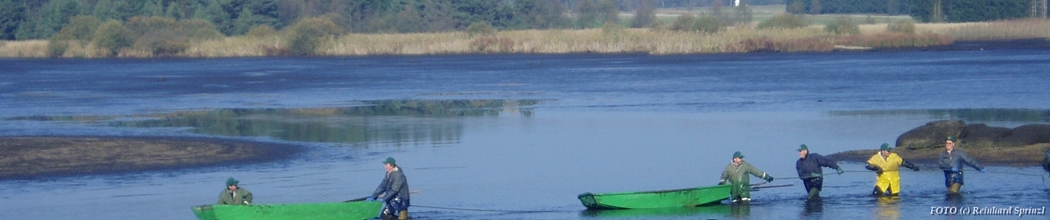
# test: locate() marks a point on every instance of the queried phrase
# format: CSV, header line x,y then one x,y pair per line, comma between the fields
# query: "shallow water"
x,y
518,137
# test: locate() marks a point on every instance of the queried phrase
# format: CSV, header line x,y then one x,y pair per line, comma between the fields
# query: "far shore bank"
x,y
33,157
1023,156
1011,34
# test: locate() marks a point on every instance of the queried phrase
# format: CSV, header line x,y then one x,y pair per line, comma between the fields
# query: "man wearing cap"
x,y
951,162
887,168
395,185
808,167
234,195
736,175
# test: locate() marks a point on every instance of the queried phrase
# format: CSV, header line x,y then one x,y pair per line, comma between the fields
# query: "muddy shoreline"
x,y
971,45
36,157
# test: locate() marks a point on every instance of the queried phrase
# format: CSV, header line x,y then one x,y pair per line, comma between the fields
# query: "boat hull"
x,y
317,211
688,197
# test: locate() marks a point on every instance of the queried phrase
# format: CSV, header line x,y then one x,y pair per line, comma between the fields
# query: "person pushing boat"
x,y
951,162
887,165
736,174
234,195
808,167
395,185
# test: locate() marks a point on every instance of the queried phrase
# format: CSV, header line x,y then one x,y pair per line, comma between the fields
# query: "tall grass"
x,y
29,48
735,39
1000,30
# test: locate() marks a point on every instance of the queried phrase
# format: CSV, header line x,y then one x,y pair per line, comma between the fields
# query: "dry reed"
x,y
736,39
29,48
999,30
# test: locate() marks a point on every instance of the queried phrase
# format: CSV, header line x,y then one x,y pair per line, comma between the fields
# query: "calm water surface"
x,y
519,136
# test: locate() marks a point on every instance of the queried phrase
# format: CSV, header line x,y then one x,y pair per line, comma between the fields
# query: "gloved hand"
x,y
955,169
768,178
721,183
840,170
984,170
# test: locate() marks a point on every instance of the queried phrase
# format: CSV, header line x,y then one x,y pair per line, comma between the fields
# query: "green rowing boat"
x,y
688,197
316,211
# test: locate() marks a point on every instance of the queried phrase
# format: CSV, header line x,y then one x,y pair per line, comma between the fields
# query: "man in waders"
x,y
951,162
735,174
395,185
808,167
1046,161
887,169
234,195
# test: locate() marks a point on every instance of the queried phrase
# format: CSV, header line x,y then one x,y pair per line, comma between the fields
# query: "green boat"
x,y
316,211
688,197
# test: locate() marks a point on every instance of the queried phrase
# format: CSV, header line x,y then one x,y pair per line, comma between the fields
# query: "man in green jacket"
x,y
735,174
234,195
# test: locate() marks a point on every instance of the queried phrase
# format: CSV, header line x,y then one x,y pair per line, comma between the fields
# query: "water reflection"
x,y
813,208
889,207
1000,115
711,210
741,210
392,122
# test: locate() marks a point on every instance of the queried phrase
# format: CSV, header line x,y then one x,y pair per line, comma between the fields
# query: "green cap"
x,y
802,147
885,147
389,160
950,138
738,155
231,182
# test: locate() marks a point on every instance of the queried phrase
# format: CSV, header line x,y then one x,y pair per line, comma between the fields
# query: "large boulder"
x,y
931,135
1026,135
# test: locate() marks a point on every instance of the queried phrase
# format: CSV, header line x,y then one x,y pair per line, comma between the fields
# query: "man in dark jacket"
x,y
808,167
1046,161
951,162
395,185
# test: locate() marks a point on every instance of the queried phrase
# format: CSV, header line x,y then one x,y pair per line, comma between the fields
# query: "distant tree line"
x,y
41,19
923,10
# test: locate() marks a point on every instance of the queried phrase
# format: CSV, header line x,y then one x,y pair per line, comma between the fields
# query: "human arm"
x,y
381,188
872,167
758,173
909,165
966,159
725,178
829,163
222,201
246,197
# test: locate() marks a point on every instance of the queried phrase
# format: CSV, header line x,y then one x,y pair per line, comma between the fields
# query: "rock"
x,y
930,135
1027,134
983,135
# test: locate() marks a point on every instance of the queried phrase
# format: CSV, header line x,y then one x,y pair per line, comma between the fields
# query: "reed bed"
x,y
736,39
999,30
28,48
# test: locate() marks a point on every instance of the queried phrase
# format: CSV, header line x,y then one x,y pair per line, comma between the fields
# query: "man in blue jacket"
x,y
808,167
1046,161
395,185
951,162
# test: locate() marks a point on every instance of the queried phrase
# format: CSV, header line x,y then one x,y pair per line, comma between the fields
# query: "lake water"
x,y
519,136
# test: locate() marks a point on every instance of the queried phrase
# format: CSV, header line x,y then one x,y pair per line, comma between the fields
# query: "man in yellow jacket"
x,y
887,165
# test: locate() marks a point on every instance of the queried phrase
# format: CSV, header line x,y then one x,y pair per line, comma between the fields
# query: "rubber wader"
x,y
954,189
